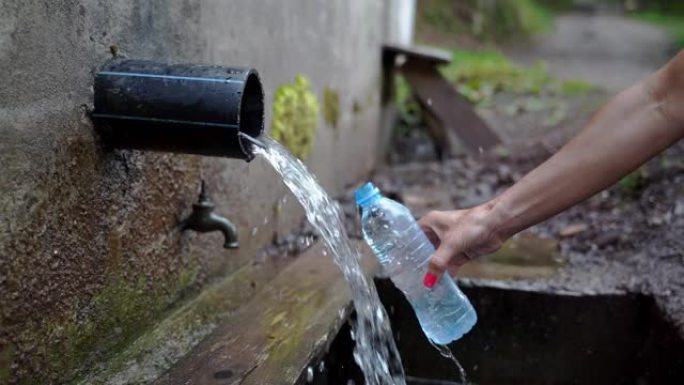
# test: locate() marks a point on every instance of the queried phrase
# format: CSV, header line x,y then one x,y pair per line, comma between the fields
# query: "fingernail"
x,y
429,280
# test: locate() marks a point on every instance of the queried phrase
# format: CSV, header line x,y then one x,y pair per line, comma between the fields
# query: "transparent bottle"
x,y
445,314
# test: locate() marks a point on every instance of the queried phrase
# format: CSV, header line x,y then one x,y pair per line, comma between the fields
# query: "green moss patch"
x,y
331,107
122,310
295,116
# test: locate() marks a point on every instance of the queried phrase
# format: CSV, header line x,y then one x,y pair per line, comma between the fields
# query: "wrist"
x,y
495,220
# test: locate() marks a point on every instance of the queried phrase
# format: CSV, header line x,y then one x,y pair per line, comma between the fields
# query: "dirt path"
x,y
610,51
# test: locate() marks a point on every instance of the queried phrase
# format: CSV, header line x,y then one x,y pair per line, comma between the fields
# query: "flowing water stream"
x,y
446,352
375,351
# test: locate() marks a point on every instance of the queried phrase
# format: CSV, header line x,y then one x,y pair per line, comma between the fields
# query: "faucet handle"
x,y
203,219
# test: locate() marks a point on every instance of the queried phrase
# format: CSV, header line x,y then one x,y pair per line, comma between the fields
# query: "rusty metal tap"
x,y
203,220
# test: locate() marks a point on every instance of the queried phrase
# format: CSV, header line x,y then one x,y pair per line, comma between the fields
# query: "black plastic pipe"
x,y
193,109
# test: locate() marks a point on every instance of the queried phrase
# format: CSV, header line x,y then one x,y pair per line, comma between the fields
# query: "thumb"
x,y
438,264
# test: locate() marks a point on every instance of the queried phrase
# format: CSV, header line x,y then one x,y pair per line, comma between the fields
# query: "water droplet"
x,y
351,382
265,219
321,366
352,334
255,230
309,374
429,101
446,352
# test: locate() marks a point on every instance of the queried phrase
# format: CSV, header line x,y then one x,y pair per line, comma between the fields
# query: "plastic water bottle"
x,y
445,314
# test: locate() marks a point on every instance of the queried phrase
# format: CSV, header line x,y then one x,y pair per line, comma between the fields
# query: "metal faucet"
x,y
203,220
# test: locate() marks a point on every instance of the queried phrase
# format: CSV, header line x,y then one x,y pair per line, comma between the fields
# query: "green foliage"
x,y
672,22
575,87
408,108
495,20
478,76
295,116
558,5
664,7
633,184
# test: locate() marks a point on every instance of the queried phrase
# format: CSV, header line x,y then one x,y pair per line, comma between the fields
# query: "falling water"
x,y
375,351
446,352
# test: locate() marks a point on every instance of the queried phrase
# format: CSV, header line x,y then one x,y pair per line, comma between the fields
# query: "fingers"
x,y
435,220
431,236
433,225
456,262
438,264
451,253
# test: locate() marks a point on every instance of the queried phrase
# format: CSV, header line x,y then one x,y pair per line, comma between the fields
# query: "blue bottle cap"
x,y
365,194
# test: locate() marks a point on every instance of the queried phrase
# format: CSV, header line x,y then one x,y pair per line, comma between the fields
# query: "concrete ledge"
x,y
273,337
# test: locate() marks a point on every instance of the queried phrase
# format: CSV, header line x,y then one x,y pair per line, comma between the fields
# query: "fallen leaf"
x,y
573,229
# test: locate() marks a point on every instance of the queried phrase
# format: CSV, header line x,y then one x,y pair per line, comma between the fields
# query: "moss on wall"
x,y
182,328
331,106
295,116
117,314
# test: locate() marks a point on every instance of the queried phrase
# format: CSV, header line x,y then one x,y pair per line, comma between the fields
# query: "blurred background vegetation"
x,y
476,31
498,21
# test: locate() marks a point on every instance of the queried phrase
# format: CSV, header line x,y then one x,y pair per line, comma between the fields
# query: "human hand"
x,y
459,236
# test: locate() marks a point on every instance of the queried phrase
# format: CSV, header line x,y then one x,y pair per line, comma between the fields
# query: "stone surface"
x,y
90,255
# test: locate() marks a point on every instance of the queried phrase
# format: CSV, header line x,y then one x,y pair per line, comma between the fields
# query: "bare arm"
x,y
633,127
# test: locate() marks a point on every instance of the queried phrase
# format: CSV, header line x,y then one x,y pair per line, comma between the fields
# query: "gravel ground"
x,y
629,238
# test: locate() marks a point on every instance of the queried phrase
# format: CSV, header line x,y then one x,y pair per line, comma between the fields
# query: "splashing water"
x,y
446,352
375,351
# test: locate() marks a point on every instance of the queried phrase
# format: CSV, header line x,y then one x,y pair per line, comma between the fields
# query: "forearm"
x,y
632,128
629,130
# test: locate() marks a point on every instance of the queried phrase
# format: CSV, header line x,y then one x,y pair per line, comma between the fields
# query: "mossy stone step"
x,y
271,339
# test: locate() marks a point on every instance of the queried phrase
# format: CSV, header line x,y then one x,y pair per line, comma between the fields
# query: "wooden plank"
x,y
457,117
433,55
271,339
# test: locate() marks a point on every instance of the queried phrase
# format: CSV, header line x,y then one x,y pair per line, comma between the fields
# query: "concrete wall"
x,y
89,251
